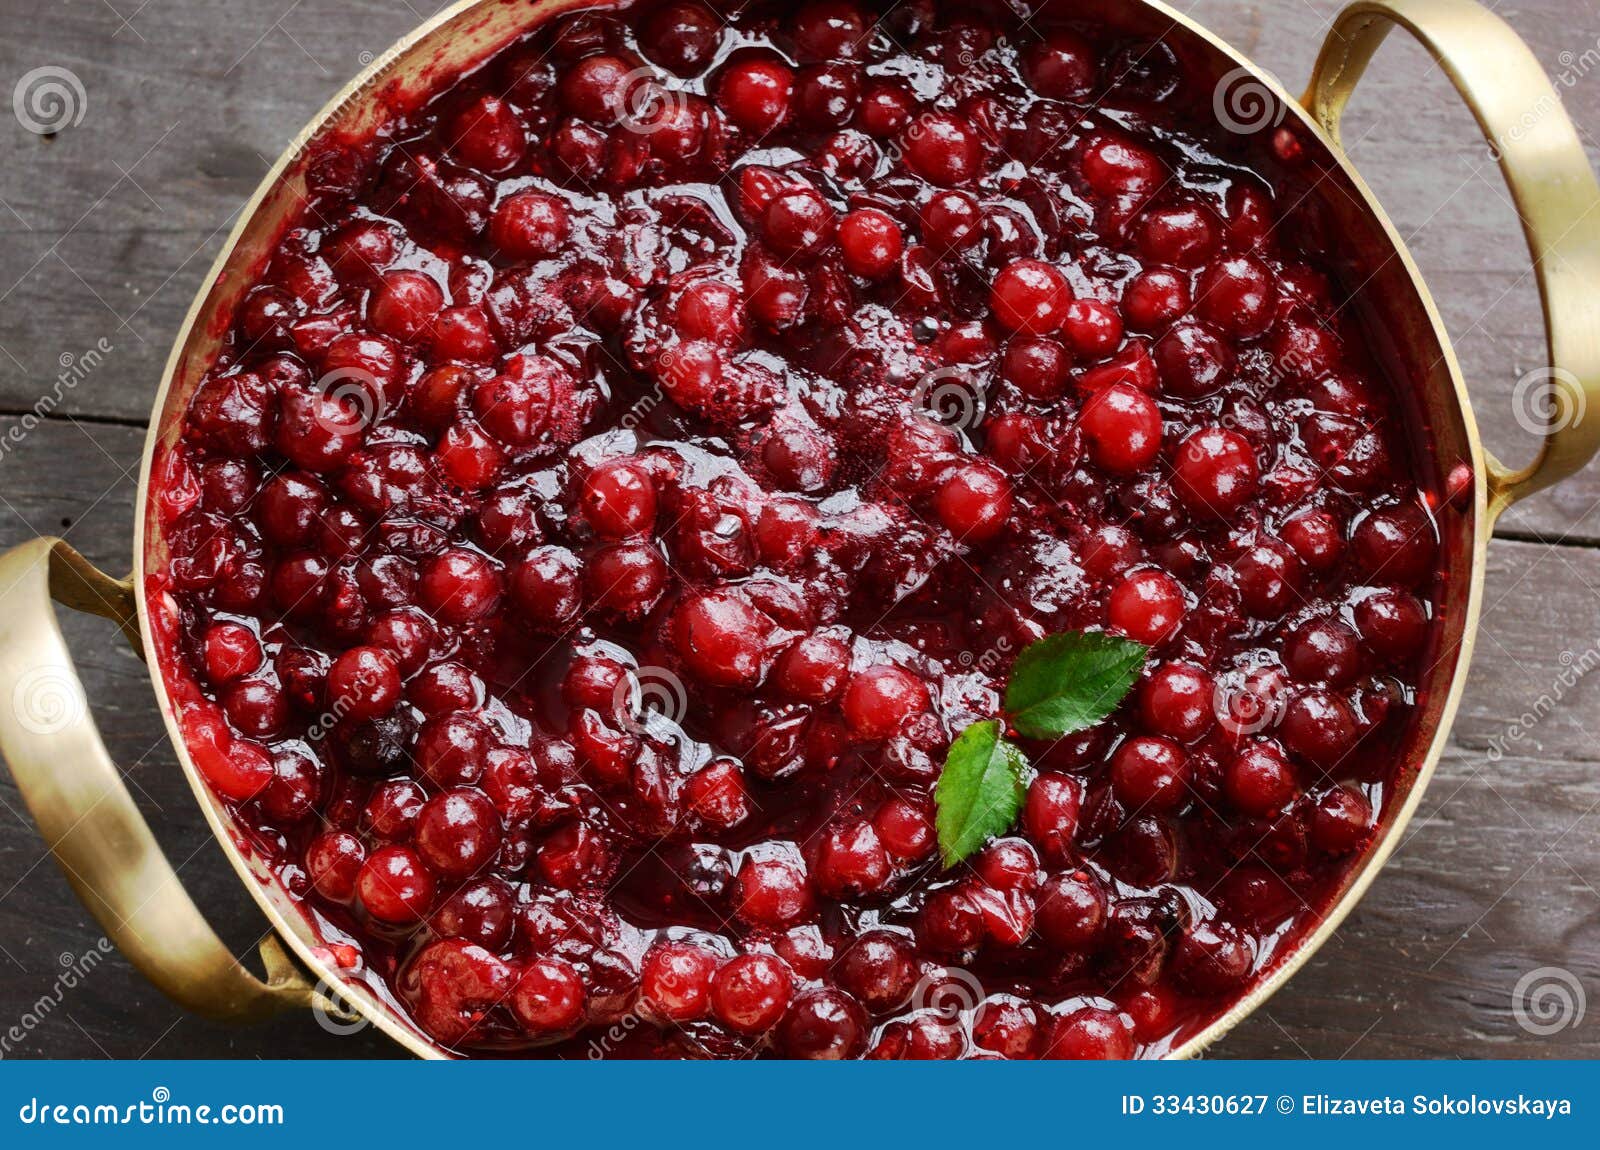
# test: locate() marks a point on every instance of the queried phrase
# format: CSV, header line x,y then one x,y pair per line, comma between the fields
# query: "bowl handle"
x,y
1554,189
84,811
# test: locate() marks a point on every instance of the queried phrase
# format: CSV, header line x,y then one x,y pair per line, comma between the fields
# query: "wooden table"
x,y
109,227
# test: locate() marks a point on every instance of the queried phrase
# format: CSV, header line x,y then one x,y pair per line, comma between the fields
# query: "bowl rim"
x,y
369,80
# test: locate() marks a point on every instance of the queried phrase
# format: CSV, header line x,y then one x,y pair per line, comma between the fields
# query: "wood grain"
x,y
107,229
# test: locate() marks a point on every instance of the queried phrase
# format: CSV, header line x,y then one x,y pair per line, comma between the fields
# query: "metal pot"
x,y
112,860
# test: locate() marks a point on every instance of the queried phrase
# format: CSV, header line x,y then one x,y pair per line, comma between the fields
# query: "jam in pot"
x,y
646,454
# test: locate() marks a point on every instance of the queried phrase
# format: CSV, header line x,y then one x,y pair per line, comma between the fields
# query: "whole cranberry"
x,y
1062,66
1176,701
755,93
850,861
1146,605
547,586
333,861
1030,296
772,892
1050,815
364,682
1395,545
1089,1033
1213,957
1341,821
675,980
1320,727
881,697
870,242
1393,624
682,37
460,586
1260,781
1072,910
942,149
549,997
457,832
823,1024
750,993
974,502
395,886
1150,772
1214,472
529,226
1122,428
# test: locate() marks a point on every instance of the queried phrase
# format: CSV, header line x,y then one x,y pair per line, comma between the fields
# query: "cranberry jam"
x,y
648,453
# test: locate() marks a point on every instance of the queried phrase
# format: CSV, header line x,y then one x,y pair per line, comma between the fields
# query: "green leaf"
x,y
1066,682
980,790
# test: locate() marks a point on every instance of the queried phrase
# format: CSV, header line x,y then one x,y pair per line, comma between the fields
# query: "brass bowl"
x,y
112,860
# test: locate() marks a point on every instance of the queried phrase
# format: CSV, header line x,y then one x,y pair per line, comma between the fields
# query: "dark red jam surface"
x,y
649,453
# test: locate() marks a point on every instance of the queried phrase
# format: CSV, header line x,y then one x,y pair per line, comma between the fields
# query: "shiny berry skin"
x,y
1342,821
1072,910
1089,1033
405,305
1260,781
457,833
1320,727
823,1024
549,997
1391,623
1030,296
942,149
750,993
547,586
459,586
1395,545
1323,651
755,94
772,892
1150,773
974,502
619,499
1060,67
232,651
364,682
1146,605
878,699
529,226
850,861
675,981
1214,472
871,242
333,861
1050,815
1177,701
395,886
1122,427
682,37
722,639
